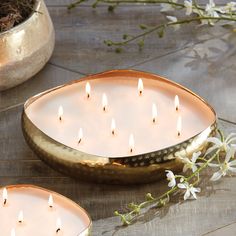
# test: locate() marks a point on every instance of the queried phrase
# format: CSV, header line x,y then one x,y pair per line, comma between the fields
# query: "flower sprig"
x,y
209,14
220,155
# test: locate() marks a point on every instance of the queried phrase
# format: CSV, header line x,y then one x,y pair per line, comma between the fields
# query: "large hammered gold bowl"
x,y
26,48
139,168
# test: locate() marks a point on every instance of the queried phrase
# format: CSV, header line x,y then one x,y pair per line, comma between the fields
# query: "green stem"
x,y
175,4
132,214
185,21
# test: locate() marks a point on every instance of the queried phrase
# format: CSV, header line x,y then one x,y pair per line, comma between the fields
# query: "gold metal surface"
x,y
142,168
26,48
86,232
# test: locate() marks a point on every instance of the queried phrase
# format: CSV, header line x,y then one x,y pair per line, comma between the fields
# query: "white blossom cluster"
x,y
210,10
224,167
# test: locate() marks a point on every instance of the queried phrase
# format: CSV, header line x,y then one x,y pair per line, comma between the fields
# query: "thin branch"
x,y
153,29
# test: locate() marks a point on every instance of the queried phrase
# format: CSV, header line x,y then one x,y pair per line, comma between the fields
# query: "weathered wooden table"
x,y
201,58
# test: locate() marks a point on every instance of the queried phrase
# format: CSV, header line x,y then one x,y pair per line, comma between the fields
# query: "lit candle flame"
x,y
50,201
60,112
80,136
131,143
176,102
88,89
21,217
179,125
140,86
104,102
154,113
13,232
113,126
58,225
4,196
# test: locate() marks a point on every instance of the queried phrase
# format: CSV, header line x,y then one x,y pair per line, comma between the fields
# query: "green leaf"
x,y
71,6
108,42
94,5
125,36
143,27
141,44
111,8
149,196
118,50
161,32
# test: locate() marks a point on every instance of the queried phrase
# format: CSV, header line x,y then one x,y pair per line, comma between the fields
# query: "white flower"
x,y
167,7
173,19
190,190
225,146
189,7
211,9
190,164
225,167
230,7
171,178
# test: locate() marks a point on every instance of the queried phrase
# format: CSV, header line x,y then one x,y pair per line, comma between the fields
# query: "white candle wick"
x,y
80,135
58,225
140,86
50,201
154,113
21,217
104,102
176,102
4,196
88,89
60,113
131,143
113,126
13,232
179,125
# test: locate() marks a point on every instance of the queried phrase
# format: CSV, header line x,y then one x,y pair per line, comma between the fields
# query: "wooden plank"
x,y
207,68
49,77
229,229
80,47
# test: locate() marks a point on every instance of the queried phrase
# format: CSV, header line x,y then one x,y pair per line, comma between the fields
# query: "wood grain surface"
x,y
201,58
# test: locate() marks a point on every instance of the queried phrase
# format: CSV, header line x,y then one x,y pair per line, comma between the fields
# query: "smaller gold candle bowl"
x,y
32,210
26,48
135,126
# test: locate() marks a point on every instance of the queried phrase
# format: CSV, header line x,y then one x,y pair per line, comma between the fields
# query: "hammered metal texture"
x,y
26,48
86,167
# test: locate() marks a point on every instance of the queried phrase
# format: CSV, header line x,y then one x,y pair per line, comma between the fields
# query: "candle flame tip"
x,y
4,196
20,217
58,225
60,112
80,135
50,201
88,89
140,86
131,143
104,102
176,102
113,126
179,125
